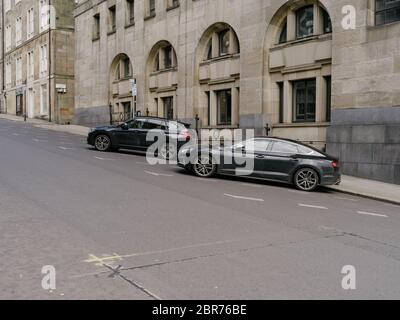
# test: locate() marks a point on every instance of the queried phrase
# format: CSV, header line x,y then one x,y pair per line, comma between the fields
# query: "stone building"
x,y
323,72
38,38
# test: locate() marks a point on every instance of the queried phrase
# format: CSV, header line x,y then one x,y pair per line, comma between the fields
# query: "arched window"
x,y
165,58
305,22
221,41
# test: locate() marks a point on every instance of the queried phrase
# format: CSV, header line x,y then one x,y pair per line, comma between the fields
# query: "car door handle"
x,y
259,156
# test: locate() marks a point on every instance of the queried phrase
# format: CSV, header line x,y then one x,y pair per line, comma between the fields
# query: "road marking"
x,y
17,134
346,199
243,198
206,180
104,159
40,140
158,174
251,185
98,261
65,148
312,206
372,214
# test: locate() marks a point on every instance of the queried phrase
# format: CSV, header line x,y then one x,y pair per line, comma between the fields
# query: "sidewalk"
x,y
73,129
369,188
351,185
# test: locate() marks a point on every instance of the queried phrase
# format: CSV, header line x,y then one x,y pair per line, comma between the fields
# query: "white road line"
x,y
17,134
312,206
243,198
346,199
40,140
206,180
372,214
158,174
65,148
104,159
251,185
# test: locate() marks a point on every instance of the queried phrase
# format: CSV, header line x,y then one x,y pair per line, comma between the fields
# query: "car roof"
x,y
156,118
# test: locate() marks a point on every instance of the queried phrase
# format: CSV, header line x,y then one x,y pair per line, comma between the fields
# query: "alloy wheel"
x,y
168,151
306,179
102,143
204,167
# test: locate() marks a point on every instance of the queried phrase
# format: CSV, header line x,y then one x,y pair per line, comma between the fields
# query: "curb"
x,y
363,195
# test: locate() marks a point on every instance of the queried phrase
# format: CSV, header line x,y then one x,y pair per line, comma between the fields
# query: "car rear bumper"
x,y
331,180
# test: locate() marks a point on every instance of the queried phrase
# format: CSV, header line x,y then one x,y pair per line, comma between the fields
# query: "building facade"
x,y
39,53
324,72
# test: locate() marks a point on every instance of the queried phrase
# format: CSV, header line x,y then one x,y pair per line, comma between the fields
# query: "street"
x,y
115,227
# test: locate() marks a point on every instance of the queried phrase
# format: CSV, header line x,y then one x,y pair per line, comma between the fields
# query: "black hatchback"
x,y
265,158
133,134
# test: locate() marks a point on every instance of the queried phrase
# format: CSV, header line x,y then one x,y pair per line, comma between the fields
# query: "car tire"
x,y
306,179
204,167
102,143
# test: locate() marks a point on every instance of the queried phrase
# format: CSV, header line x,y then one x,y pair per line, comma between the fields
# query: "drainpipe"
x,y
2,57
49,92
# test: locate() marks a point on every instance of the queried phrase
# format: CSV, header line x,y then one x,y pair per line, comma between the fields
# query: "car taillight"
x,y
186,135
335,164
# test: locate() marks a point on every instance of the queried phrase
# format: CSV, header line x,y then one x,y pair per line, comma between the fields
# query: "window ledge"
x,y
150,16
95,38
164,71
224,57
109,33
320,37
129,24
221,127
173,7
381,26
301,125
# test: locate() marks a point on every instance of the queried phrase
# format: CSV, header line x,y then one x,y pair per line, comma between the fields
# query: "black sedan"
x,y
134,134
272,159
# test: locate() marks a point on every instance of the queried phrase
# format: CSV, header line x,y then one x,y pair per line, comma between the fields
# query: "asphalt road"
x,y
115,227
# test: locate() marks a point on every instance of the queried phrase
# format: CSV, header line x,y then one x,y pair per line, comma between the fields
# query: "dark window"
x,y
209,52
387,11
136,124
96,26
283,35
152,8
281,102
304,100
284,147
224,42
127,67
224,105
157,62
131,10
168,107
112,12
152,124
328,81
208,108
127,110
327,22
168,57
305,22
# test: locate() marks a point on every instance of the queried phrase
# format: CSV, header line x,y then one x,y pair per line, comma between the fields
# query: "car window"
x,y
135,124
308,151
284,147
152,124
257,145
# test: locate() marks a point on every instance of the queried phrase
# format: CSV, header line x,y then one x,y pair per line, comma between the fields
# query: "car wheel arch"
x,y
297,169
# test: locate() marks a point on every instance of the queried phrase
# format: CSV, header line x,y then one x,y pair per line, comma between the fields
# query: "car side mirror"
x,y
124,126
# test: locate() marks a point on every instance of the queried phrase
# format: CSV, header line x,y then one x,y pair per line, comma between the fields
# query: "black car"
x,y
133,134
265,158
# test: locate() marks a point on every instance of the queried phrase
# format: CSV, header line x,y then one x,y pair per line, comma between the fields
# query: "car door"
x,y
156,127
281,160
130,135
247,158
